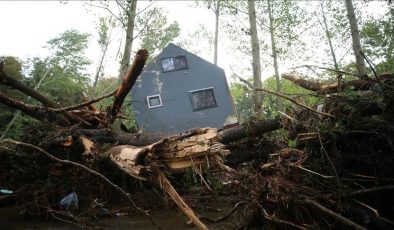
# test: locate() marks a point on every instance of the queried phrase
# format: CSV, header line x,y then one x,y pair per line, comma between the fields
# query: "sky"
x,y
28,25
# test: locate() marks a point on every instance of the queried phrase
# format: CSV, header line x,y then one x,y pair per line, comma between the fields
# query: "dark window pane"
x,y
180,62
203,99
167,64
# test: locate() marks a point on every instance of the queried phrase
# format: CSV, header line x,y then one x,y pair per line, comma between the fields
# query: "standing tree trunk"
x,y
217,12
257,98
328,36
274,55
360,63
124,65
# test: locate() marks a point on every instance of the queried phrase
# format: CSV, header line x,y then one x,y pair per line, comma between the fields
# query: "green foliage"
x,y
378,37
158,33
243,100
13,67
68,51
289,89
244,103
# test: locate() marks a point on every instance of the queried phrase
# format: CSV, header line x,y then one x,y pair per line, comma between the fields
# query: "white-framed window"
x,y
173,63
154,101
202,98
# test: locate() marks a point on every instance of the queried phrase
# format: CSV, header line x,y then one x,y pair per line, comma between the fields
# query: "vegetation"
x,y
330,167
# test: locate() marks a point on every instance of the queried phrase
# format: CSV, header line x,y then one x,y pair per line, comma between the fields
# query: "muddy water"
x,y
171,220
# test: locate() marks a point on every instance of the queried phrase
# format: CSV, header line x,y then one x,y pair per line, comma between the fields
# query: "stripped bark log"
x,y
127,84
198,147
334,87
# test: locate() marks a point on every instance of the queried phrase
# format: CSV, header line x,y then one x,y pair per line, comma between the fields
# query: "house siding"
x,y
176,114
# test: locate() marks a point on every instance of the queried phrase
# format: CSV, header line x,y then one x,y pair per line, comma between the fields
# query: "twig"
x,y
310,171
331,163
67,162
63,220
369,190
370,65
72,107
275,219
374,211
225,216
335,215
286,97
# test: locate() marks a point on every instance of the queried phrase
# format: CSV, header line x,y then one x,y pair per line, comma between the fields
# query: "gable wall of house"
x,y
176,113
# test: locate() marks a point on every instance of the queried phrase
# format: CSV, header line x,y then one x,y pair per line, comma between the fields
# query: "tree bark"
x,y
143,139
274,55
360,63
257,98
328,36
217,12
124,64
127,84
6,80
333,87
42,116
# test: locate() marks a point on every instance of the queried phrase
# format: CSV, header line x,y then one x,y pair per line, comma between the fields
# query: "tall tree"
x,y
216,6
274,53
104,34
131,8
257,98
328,36
360,63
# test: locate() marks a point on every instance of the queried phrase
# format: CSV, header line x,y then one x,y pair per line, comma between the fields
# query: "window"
x,y
202,99
154,101
173,63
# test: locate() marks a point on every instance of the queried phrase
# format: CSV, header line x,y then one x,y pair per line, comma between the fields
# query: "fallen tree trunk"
x,y
6,80
334,87
226,136
40,115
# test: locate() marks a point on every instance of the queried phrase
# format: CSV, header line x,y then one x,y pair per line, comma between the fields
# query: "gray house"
x,y
179,91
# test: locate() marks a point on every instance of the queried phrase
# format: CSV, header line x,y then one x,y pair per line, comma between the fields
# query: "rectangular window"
x,y
173,63
154,101
202,99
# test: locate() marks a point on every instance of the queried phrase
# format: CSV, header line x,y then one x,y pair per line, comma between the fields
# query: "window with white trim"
x,y
202,99
173,63
154,101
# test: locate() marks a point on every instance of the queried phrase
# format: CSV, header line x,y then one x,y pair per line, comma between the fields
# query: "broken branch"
x,y
127,84
287,98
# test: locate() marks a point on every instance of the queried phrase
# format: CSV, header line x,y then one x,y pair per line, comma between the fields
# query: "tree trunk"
x,y
217,11
360,63
257,98
124,65
274,55
328,36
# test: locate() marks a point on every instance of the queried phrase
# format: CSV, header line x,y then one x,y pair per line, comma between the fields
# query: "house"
x,y
179,91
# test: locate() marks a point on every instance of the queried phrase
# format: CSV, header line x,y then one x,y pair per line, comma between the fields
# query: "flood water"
x,y
172,220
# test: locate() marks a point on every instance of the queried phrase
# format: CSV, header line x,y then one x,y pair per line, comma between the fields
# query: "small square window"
x,y
202,99
168,64
173,63
154,101
180,62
